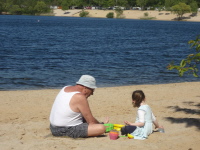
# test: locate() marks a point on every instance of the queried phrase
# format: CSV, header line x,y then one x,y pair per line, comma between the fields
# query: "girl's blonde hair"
x,y
138,96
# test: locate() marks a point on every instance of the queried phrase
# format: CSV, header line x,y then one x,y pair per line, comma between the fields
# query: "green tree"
x,y
2,6
131,3
119,12
66,4
180,9
142,3
41,7
156,3
110,3
29,7
15,10
189,64
194,6
5,5
170,3
99,2
121,2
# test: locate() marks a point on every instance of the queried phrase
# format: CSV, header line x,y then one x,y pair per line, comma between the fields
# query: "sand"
x,y
128,14
24,118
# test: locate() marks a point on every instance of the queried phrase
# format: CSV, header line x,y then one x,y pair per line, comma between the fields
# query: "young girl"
x,y
144,120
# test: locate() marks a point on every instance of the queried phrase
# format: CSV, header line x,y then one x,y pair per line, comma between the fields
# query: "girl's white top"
x,y
144,114
61,113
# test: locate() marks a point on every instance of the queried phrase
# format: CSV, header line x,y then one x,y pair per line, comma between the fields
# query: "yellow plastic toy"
x,y
118,125
130,136
118,129
110,126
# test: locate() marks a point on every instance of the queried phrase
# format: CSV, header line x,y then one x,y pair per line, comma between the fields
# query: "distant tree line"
x,y
34,7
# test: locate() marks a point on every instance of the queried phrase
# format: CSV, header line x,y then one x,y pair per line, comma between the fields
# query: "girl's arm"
x,y
155,122
141,123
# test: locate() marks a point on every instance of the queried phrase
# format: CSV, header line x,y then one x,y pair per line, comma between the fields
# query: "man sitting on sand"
x,y
71,115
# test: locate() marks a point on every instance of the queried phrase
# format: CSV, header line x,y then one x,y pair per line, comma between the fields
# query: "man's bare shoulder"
x,y
70,89
78,97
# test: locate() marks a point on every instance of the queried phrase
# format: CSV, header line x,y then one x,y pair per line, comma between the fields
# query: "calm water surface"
x,y
39,52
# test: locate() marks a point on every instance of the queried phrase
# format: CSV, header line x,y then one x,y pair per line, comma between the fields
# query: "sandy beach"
x,y
24,118
128,14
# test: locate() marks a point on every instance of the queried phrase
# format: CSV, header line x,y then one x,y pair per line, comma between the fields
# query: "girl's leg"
x,y
128,129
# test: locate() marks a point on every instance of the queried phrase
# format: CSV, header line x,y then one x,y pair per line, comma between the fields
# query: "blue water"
x,y
38,52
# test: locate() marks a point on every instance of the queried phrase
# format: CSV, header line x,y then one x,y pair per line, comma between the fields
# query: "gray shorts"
x,y
79,131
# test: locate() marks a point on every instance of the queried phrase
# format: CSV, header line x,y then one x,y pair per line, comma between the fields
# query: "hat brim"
x,y
91,87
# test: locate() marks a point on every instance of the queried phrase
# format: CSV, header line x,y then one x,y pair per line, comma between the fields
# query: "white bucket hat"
x,y
88,81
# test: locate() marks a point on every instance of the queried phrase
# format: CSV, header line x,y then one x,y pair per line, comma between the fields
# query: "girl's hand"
x,y
127,122
159,127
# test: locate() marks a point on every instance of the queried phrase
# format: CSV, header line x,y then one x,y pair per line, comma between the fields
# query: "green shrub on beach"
x,y
119,12
110,15
146,16
84,14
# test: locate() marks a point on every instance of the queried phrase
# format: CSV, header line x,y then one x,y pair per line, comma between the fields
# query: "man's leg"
x,y
96,129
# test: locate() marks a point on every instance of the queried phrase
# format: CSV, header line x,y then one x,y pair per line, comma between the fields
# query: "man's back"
x,y
61,113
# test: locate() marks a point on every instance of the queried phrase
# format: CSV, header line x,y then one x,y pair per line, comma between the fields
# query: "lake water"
x,y
38,52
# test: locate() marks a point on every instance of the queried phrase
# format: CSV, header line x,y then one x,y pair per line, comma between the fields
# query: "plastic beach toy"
x,y
114,135
130,136
161,130
109,127
118,127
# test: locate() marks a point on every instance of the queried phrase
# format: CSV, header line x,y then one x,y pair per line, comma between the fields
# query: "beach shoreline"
x,y
128,14
24,118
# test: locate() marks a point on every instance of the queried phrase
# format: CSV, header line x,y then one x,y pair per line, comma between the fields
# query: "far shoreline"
x,y
98,87
129,14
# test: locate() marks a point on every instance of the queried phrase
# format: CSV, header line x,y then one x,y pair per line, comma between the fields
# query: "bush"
x,y
119,12
147,17
110,15
84,14
146,14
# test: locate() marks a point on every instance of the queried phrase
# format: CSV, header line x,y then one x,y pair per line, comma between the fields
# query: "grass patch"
x,y
147,17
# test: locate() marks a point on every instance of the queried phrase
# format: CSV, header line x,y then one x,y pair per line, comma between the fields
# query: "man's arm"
x,y
80,103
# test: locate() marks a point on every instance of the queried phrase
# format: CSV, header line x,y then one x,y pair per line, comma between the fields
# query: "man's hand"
x,y
106,120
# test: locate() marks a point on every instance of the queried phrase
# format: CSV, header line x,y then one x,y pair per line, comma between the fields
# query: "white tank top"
x,y
61,113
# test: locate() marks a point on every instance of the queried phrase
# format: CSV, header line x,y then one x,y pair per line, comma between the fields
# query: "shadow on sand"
x,y
188,121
